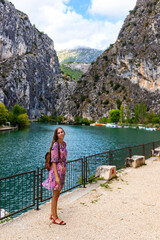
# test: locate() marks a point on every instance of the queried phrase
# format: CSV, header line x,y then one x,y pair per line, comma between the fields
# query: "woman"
x,y
57,174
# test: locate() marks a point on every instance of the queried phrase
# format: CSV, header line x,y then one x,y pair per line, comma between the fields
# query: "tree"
x,y
85,121
142,112
78,120
127,113
17,110
22,120
3,114
136,113
114,115
156,119
60,118
43,118
121,114
15,119
118,103
102,120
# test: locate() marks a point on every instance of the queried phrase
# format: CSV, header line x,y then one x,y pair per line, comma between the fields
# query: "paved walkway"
x,y
129,208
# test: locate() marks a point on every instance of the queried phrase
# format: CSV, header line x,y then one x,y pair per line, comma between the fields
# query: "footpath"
x,y
128,208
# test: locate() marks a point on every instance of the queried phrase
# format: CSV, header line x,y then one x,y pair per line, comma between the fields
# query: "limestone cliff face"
x,y
29,67
128,71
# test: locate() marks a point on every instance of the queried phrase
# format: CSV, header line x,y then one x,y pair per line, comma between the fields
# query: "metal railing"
x,y
23,191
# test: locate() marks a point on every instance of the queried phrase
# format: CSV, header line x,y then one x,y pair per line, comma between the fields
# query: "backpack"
x,y
48,161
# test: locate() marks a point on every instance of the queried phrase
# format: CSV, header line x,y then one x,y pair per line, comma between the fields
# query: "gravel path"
x,y
128,209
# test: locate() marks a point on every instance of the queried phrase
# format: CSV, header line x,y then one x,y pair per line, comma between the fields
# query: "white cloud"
x,y
67,28
112,8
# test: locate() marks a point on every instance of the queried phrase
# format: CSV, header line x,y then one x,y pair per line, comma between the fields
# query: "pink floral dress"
x,y
50,183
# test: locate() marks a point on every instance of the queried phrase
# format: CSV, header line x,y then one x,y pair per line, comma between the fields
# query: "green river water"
x,y
24,150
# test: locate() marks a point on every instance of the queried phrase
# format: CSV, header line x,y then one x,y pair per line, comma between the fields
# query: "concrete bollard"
x,y
135,161
156,152
105,171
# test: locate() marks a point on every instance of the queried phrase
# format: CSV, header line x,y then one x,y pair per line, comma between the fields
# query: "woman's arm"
x,y
55,172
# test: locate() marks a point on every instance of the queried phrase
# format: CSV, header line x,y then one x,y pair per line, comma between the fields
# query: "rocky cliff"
x,y
29,67
128,72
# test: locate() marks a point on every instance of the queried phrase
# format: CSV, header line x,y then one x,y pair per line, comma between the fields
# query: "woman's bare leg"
x,y
54,203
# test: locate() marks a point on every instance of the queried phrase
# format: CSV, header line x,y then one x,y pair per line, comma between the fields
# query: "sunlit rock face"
x,y
128,71
29,67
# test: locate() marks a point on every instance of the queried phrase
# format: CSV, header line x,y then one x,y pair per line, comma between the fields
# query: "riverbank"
x,y
128,208
8,128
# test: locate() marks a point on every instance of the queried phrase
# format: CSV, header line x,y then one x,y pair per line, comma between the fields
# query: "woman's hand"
x,y
58,181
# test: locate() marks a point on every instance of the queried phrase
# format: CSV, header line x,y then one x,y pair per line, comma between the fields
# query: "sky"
x,y
77,23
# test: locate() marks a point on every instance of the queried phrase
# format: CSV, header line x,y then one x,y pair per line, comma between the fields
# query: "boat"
x,y
100,124
150,129
111,125
92,124
141,127
126,126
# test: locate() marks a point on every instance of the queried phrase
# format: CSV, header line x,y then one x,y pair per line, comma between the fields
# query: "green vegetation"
x,y
102,120
106,102
114,115
74,74
121,114
51,118
105,58
96,77
127,114
4,114
79,120
17,116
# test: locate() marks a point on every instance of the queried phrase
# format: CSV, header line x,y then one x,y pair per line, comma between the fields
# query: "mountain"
x,y
79,55
128,72
29,69
76,62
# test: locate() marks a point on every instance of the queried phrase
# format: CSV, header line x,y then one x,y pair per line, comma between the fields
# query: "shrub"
x,y
118,103
111,82
43,118
116,86
3,114
60,118
22,120
85,121
103,89
105,58
73,97
77,120
14,118
82,98
77,105
106,102
96,77
102,120
114,115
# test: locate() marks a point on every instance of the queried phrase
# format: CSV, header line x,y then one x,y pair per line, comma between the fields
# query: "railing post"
x,y
153,145
84,171
143,149
130,152
37,189
110,158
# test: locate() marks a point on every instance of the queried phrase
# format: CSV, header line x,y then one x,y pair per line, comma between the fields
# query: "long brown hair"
x,y
55,139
